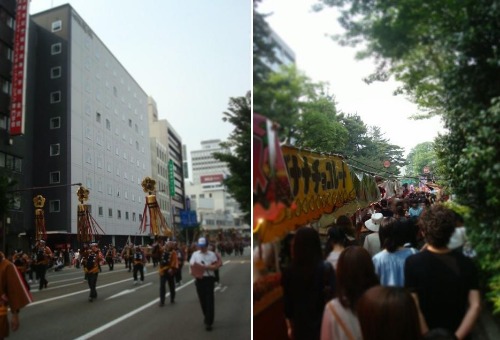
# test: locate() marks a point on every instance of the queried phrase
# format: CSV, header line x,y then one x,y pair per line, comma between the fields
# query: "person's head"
x,y
202,244
355,274
438,224
459,220
391,235
388,313
306,247
93,246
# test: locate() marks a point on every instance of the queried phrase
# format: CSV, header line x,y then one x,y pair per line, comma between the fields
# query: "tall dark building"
x,y
15,157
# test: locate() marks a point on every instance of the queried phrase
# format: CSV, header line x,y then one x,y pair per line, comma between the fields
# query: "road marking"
x,y
126,316
127,291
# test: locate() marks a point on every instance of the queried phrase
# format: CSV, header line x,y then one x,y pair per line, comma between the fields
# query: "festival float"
x,y
293,187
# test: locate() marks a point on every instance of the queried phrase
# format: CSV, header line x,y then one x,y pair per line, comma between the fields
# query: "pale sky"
x,y
190,56
322,59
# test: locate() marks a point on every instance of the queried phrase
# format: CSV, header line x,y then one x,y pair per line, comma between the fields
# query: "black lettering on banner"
x,y
294,173
329,175
316,175
306,174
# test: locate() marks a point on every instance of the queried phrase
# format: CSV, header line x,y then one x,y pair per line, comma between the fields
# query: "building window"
x,y
108,124
110,212
100,211
56,26
133,216
6,87
55,149
98,117
55,123
55,48
55,206
55,177
55,72
126,215
119,214
3,122
55,97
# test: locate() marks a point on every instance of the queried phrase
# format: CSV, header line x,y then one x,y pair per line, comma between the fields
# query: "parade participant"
x,y
21,261
110,257
169,265
90,263
203,263
43,254
139,261
127,255
13,294
180,258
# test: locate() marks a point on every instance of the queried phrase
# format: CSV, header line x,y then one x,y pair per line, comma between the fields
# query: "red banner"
x,y
17,100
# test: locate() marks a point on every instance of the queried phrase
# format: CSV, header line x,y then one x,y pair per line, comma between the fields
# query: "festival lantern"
x,y
157,224
40,232
87,226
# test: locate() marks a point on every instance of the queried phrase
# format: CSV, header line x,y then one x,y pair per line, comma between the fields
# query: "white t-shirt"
x,y
458,238
206,258
330,327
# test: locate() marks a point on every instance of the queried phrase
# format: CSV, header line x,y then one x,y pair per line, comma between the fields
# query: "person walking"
x,y
127,256
14,294
202,265
169,265
139,261
110,257
444,282
355,275
90,264
307,285
43,256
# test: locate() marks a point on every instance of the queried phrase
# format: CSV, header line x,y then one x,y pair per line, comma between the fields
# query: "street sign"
x,y
188,218
171,178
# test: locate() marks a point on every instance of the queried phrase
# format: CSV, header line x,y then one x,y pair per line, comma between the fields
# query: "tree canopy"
x,y
445,53
239,160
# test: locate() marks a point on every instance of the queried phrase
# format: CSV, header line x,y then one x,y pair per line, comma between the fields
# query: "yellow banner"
x,y
320,184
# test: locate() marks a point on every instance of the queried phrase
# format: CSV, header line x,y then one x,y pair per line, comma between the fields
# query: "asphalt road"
x,y
62,311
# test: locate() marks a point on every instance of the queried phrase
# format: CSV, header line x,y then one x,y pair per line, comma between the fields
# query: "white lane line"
x,y
126,316
127,291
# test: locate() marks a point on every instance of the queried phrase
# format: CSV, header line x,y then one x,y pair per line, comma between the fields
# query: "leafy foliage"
x,y
239,161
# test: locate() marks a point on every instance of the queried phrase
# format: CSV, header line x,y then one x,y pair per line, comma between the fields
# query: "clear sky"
x,y
322,59
190,56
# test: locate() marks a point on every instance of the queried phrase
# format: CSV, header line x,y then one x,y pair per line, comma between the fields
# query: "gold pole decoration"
x,y
157,224
40,232
87,226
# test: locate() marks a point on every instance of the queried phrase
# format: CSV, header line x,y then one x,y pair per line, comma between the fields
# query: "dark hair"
x,y
391,235
355,274
438,224
306,251
388,313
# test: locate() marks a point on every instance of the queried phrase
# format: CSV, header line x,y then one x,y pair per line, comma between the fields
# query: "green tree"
x,y
263,47
239,160
446,55
420,156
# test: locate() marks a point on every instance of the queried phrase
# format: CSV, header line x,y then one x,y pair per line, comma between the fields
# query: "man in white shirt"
x,y
203,264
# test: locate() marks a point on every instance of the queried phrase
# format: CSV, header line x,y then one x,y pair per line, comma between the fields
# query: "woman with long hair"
x,y
388,313
355,274
304,286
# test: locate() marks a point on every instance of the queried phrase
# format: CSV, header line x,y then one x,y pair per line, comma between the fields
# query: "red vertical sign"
x,y
19,69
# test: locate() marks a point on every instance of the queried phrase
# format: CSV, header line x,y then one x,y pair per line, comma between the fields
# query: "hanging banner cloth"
x,y
157,223
40,232
87,227
272,194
